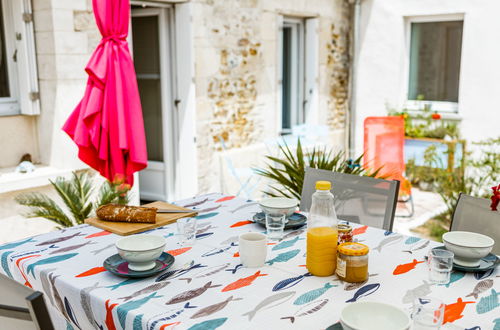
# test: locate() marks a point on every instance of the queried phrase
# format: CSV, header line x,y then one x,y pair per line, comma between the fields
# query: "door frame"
x,y
167,90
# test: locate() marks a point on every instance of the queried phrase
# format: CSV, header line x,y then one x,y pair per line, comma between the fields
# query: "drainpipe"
x,y
352,83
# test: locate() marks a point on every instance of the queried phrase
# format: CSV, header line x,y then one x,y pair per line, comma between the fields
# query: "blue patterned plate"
x,y
486,263
295,221
118,266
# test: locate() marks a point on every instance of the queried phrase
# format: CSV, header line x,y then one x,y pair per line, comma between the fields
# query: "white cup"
x,y
253,249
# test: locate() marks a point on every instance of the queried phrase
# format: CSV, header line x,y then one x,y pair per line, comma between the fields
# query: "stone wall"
x,y
236,56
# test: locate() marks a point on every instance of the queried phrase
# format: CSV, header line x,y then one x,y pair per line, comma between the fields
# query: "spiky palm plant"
x,y
288,173
76,195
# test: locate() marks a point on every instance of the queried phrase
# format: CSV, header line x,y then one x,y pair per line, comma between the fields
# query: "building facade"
x,y
436,53
220,81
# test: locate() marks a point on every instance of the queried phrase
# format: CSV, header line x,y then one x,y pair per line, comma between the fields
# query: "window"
x,y
292,77
18,76
435,53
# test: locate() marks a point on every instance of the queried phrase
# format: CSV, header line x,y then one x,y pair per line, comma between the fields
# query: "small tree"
x,y
76,194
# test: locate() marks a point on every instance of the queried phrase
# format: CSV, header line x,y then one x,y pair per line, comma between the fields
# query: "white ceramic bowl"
x,y
468,247
368,315
140,251
279,205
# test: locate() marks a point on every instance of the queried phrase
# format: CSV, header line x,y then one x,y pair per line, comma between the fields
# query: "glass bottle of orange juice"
x,y
322,234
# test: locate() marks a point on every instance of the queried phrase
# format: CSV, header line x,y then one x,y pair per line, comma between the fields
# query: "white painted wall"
x,y
383,62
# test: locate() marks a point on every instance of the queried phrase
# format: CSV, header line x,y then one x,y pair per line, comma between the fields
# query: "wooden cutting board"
x,y
127,228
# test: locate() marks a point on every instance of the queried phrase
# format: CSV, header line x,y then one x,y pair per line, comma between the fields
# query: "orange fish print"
x,y
246,281
109,316
405,268
224,199
98,234
92,271
240,223
180,251
236,254
26,283
169,324
360,230
453,312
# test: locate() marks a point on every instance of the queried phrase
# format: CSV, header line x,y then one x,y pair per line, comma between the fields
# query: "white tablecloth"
x,y
216,292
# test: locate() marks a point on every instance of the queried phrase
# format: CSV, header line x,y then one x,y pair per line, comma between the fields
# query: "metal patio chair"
x,y
359,199
474,214
22,307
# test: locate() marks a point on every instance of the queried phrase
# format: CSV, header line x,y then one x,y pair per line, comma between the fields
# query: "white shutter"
x,y
279,73
26,57
311,95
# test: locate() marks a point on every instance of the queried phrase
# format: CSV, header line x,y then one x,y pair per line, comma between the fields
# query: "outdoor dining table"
x,y
207,287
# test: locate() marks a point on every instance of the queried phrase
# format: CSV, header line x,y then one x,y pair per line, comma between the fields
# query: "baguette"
x,y
126,213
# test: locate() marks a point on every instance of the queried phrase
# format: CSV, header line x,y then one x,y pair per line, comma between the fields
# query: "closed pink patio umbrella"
x,y
107,124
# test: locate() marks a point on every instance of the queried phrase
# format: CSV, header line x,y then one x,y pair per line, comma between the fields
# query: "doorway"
x,y
152,48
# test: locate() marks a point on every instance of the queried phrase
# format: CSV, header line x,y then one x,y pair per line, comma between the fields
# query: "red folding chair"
x,y
384,149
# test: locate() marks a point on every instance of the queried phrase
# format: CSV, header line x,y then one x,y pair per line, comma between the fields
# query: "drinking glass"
x,y
428,313
186,231
440,265
275,224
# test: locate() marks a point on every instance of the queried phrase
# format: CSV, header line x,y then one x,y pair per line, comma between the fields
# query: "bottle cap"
x,y
353,249
323,185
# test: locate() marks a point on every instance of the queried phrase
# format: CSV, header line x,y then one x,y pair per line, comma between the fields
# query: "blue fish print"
x,y
364,291
455,276
177,272
388,232
137,324
312,295
204,235
488,303
482,275
123,309
289,282
283,257
25,253
15,244
209,325
168,235
286,244
497,324
122,283
70,312
170,316
51,260
5,264
474,328
217,251
411,240
206,216
69,326
235,269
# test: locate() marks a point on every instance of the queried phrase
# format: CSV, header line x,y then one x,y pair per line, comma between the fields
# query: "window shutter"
x,y
311,95
29,96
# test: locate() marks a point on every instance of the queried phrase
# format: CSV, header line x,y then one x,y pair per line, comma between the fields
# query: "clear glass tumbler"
x,y
275,224
186,231
427,313
440,266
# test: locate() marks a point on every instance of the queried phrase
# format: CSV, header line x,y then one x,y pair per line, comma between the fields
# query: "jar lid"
x,y
344,228
353,249
323,185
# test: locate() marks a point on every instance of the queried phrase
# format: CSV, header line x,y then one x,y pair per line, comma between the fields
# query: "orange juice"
x,y
321,258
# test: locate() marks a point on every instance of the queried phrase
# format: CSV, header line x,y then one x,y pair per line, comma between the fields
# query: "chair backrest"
x,y
384,145
19,303
360,199
474,214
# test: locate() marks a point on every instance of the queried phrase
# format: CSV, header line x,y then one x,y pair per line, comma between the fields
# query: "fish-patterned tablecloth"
x,y
207,287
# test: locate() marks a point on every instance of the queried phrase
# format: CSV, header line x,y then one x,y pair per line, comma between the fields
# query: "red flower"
x,y
118,179
495,198
436,116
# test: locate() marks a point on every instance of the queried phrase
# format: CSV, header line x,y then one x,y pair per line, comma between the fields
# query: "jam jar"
x,y
345,233
352,262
